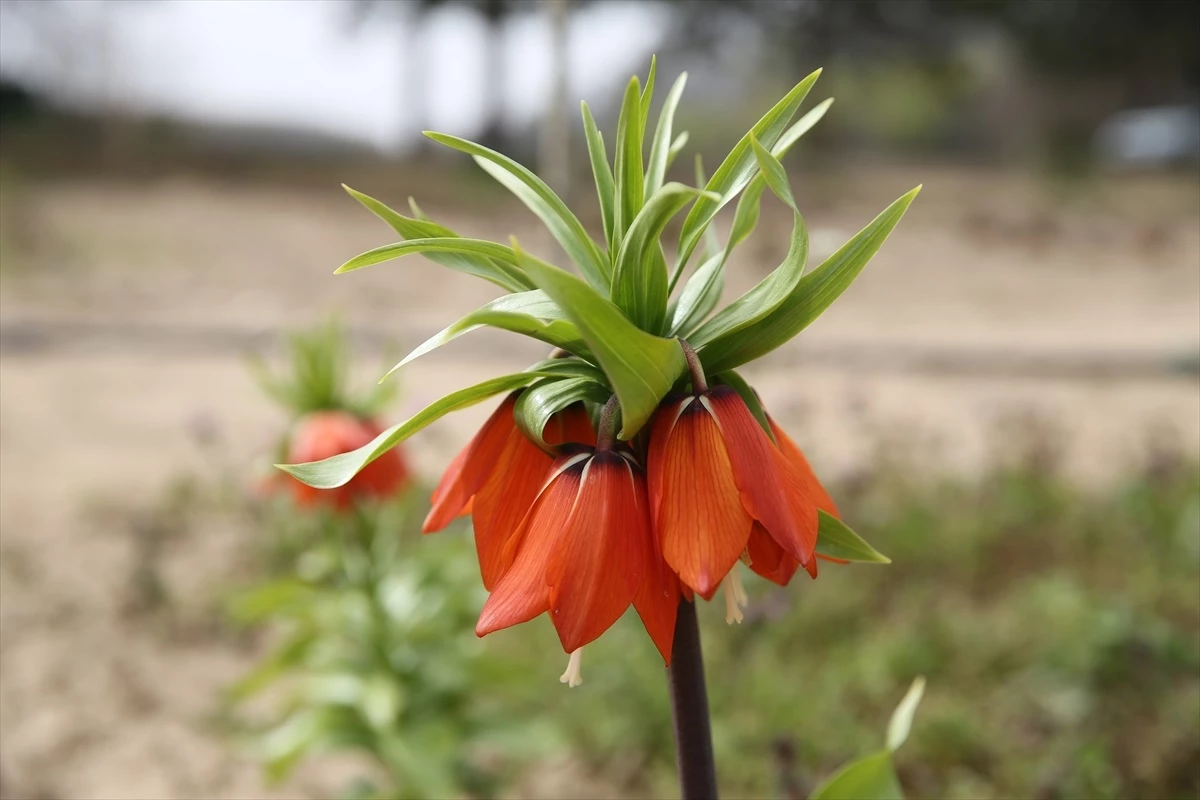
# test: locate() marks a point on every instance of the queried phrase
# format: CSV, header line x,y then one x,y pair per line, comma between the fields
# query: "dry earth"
x,y
126,324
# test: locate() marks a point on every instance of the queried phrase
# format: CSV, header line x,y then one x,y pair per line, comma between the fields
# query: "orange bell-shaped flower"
x,y
496,478
581,552
713,474
767,558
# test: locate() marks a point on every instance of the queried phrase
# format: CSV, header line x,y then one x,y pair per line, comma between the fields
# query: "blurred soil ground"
x,y
127,312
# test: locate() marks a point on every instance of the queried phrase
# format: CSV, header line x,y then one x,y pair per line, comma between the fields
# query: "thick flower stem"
x,y
695,369
689,710
606,431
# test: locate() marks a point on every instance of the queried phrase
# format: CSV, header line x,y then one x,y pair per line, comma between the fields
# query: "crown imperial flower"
x,y
496,478
680,480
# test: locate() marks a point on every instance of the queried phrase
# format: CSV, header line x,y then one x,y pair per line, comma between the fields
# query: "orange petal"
x,y
772,490
768,559
793,454
522,594
657,600
598,563
661,427
470,468
502,502
699,518
571,425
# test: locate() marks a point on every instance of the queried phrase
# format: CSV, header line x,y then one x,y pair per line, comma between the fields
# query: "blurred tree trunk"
x,y
415,104
554,141
492,135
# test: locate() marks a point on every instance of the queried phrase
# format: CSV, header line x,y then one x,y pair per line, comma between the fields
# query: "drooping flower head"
x,y
585,552
496,477
322,434
698,481
714,475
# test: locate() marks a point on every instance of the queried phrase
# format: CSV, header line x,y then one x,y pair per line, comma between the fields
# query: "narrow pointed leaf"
x,y
628,169
901,721
712,245
745,217
871,777
639,285
815,292
700,296
801,127
640,367
542,201
545,398
568,368
648,92
660,148
442,244
774,174
767,295
676,146
836,540
504,274
739,166
531,314
416,209
601,171
338,470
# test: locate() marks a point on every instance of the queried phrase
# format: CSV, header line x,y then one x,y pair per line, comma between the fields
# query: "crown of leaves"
x,y
619,318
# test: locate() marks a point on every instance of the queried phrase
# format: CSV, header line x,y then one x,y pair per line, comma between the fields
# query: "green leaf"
x,y
502,273
738,167
630,190
724,350
639,279
338,470
875,776
547,397
279,598
569,367
531,314
774,174
745,217
288,656
801,127
640,367
901,721
870,778
442,244
648,92
566,228
676,146
600,170
836,540
416,209
703,289
661,147
766,296
712,245
700,295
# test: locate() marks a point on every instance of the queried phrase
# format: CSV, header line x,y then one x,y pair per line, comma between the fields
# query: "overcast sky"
x,y
301,62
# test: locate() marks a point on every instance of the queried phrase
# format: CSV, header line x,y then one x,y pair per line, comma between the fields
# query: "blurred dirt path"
x,y
121,350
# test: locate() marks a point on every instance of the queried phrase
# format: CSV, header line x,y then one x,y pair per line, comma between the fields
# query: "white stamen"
x,y
735,597
573,677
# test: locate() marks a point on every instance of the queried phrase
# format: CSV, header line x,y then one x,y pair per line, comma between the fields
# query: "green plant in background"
x,y
373,655
684,474
326,419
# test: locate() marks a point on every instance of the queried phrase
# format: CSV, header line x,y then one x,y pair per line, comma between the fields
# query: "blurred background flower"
x,y
1006,403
